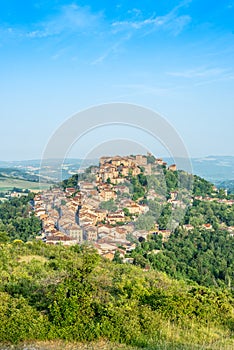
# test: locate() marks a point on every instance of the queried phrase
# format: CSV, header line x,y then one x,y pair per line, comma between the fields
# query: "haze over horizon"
x,y
60,57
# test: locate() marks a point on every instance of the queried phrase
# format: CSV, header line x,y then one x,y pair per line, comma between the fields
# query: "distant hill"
x,y
219,170
227,184
214,168
18,174
13,178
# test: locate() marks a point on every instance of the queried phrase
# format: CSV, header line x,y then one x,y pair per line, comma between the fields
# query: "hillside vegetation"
x,y
178,294
55,292
17,220
203,255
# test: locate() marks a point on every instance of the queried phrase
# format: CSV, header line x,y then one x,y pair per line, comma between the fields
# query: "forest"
x,y
17,220
199,254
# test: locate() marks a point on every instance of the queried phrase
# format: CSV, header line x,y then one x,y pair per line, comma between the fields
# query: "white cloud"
x,y
71,18
112,49
172,22
205,76
200,72
178,24
68,19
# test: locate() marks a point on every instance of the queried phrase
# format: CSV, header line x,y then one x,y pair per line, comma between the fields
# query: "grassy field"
x,y
7,184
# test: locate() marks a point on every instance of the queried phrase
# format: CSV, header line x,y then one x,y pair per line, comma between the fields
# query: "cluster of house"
x,y
71,219
115,169
75,215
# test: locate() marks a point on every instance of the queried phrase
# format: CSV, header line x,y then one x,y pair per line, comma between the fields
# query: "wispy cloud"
x,y
200,72
70,18
100,59
172,21
205,76
113,49
80,21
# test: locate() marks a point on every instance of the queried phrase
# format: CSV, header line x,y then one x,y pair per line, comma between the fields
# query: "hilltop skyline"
x,y
60,57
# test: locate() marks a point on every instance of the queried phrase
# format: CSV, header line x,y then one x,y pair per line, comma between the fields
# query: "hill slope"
x,y
52,292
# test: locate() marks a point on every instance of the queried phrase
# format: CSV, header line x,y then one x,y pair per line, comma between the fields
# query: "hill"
x,y
178,293
213,168
8,183
13,178
227,184
18,174
55,292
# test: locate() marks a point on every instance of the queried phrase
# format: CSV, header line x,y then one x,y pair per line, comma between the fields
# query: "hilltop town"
x,y
155,223
107,204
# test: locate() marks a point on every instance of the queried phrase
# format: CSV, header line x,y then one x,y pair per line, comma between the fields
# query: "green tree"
x,y
145,222
108,205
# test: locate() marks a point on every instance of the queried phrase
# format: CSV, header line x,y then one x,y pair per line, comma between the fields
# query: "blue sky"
x,y
58,57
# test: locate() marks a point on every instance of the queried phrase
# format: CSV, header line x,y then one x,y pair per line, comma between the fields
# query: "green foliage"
x,y
158,184
4,237
19,321
70,293
56,292
126,212
142,179
171,178
71,182
17,221
87,175
201,255
164,217
145,222
155,208
139,184
205,257
150,159
108,205
201,187
117,258
210,213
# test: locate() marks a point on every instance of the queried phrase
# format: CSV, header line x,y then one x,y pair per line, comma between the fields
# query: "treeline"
x,y
17,220
56,292
201,254
205,212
